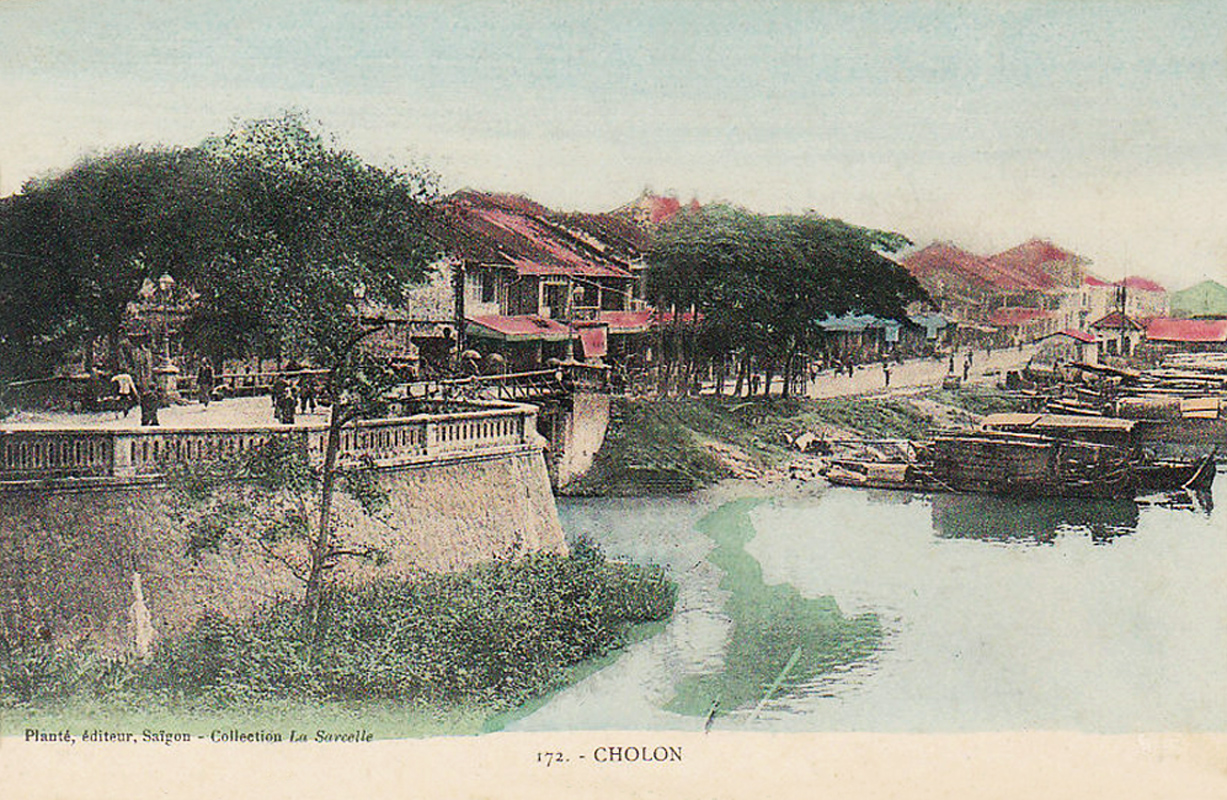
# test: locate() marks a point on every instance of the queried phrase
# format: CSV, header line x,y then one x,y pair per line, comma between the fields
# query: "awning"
x,y
595,339
524,328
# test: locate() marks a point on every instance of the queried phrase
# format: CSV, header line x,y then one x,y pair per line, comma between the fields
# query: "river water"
x,y
995,614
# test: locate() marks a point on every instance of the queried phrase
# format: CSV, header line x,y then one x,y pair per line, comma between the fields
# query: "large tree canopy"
x,y
76,247
282,236
759,283
313,233
281,233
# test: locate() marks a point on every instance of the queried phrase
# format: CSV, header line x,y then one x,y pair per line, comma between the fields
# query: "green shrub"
x,y
494,635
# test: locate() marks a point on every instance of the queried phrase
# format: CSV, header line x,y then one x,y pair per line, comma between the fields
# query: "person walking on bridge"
x,y
204,381
306,391
125,390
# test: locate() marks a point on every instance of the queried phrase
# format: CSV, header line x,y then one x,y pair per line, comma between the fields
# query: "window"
x,y
487,286
555,297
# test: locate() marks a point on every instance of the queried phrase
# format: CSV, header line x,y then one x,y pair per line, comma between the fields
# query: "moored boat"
x,y
990,461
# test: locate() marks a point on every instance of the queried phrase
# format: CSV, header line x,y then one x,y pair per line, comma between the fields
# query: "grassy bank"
x,y
978,400
780,639
679,445
442,654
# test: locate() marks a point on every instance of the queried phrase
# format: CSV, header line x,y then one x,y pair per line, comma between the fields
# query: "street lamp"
x,y
166,285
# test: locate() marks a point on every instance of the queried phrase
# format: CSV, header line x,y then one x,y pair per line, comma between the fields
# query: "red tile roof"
x,y
516,232
1142,284
942,259
628,321
525,327
1166,329
1028,259
945,258
1081,336
1131,282
1009,317
1116,320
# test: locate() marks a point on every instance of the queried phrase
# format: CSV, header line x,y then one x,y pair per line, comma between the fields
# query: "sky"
x,y
1099,125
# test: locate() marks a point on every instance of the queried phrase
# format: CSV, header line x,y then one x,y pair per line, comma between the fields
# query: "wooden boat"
x,y
993,463
1030,465
878,475
1169,475
1133,436
1026,465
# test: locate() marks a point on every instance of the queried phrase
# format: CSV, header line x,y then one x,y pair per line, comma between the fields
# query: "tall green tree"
x,y
315,235
76,247
284,237
758,283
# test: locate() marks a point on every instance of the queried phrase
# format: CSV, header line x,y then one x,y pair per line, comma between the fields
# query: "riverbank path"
x,y
235,412
913,374
986,368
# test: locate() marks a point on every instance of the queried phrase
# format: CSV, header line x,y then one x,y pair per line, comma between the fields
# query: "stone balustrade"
x,y
28,454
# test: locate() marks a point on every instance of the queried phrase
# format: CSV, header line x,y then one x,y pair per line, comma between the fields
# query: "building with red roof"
x,y
1004,290
1168,333
1044,264
1018,288
1068,346
1118,333
530,282
1141,298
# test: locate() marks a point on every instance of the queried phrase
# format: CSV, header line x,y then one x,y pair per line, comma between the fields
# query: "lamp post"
x,y
166,285
165,375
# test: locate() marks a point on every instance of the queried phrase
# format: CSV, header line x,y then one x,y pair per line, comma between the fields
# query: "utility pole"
x,y
458,297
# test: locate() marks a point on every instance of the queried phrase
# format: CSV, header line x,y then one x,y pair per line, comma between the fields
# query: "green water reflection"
x,y
780,639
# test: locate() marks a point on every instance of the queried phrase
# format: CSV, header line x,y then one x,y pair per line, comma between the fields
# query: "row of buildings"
x,y
1038,290
531,284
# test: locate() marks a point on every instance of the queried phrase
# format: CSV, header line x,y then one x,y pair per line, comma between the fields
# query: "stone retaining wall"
x,y
67,557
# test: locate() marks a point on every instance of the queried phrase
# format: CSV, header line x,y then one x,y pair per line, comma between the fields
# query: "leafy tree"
x,y
76,247
758,283
284,236
315,235
268,497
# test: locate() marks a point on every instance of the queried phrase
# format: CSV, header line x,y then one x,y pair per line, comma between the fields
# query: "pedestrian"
x,y
150,399
886,373
951,371
306,392
851,368
204,381
125,390
289,404
966,368
277,392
